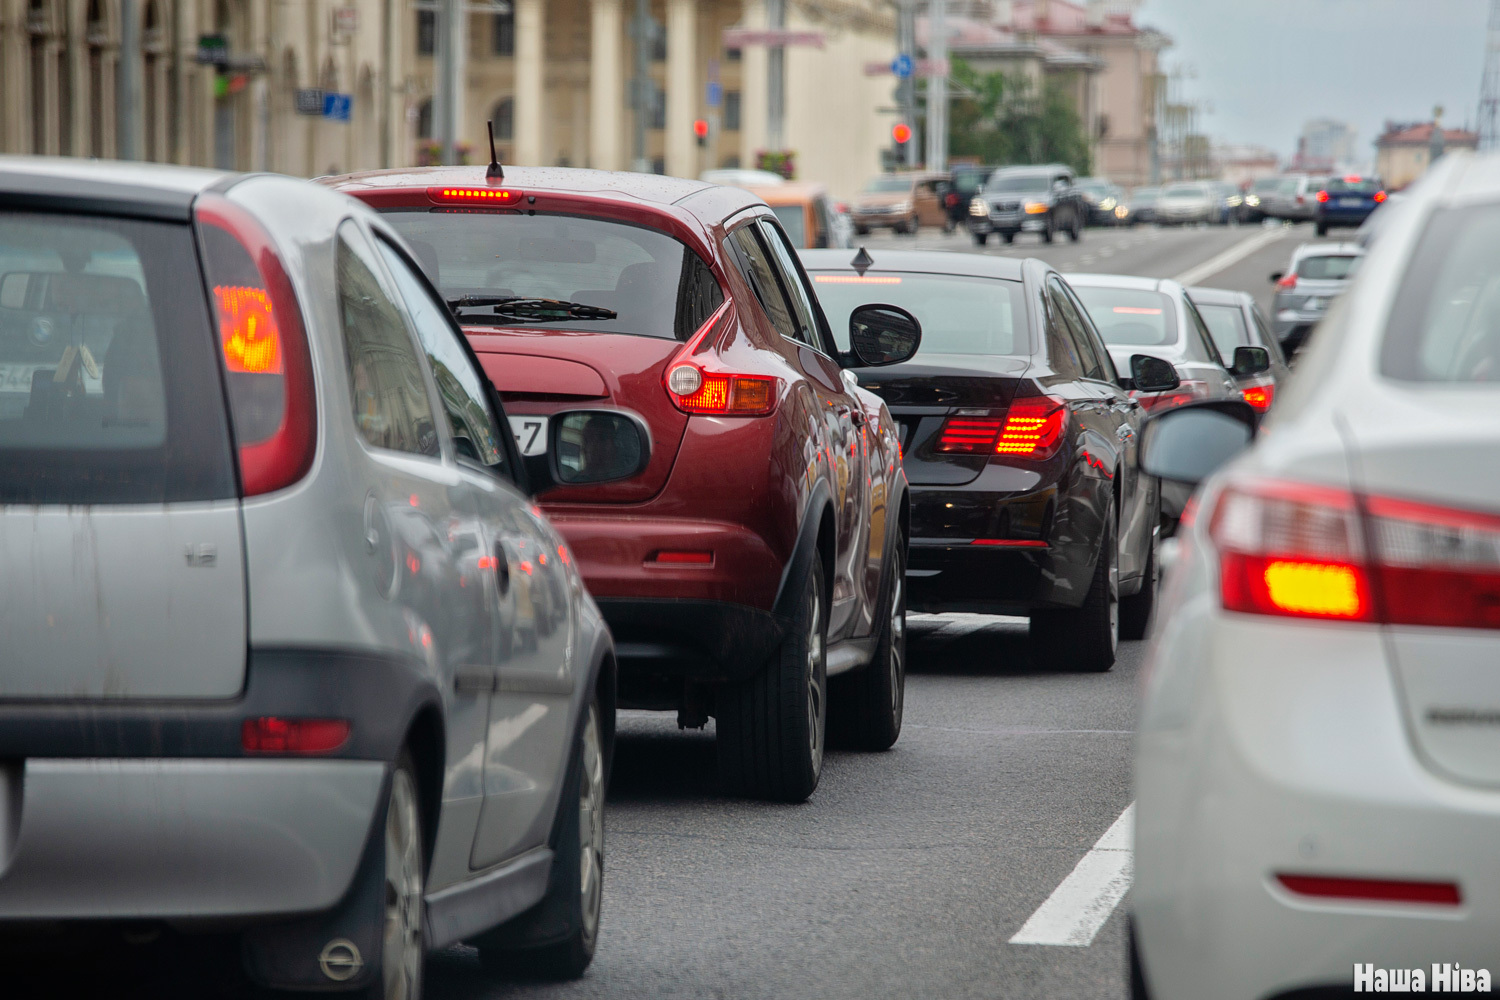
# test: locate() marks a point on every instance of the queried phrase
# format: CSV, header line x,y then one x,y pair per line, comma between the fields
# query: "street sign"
x,y
345,21
919,68
336,106
309,101
715,93
902,66
739,38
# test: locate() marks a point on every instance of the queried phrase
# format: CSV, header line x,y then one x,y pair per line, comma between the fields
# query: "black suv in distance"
x,y
964,182
1042,200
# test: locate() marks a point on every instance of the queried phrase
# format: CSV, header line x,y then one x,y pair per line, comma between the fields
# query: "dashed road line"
x,y
1230,257
1077,908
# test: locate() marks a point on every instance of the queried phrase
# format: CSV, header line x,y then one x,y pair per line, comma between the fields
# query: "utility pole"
x,y
449,70
906,90
937,86
128,140
1489,94
776,79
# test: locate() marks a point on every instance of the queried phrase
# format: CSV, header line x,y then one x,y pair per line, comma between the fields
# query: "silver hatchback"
x,y
286,649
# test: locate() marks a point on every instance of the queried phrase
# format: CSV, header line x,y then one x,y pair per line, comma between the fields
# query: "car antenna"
x,y
862,261
494,172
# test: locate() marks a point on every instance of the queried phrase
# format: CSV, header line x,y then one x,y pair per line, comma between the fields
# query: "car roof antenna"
x,y
494,172
862,261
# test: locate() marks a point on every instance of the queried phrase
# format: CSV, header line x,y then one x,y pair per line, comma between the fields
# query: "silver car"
x,y
1236,321
1186,202
1318,274
286,650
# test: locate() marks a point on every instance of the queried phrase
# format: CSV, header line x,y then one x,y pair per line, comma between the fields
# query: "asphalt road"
x,y
908,872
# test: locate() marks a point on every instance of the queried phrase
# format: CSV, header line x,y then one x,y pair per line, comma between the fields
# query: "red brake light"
x,y
1033,427
297,737
1374,890
1379,197
268,368
1288,281
1323,196
684,558
1260,396
485,196
969,435
695,388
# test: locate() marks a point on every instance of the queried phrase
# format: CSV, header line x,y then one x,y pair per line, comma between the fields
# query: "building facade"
x,y
1405,152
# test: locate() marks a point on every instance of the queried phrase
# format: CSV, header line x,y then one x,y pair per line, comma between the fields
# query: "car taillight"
x,y
1186,392
695,387
1379,197
1323,196
1287,283
1033,427
486,197
1260,396
1314,552
267,365
969,435
294,737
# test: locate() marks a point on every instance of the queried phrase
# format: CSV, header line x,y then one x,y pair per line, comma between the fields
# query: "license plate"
x,y
1316,305
1351,202
531,434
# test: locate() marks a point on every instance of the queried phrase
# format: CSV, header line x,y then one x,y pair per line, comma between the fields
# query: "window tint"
x,y
1088,362
1091,335
1200,345
109,374
459,384
791,280
761,274
1062,351
1266,340
1327,267
1354,185
1227,324
1130,317
391,406
959,314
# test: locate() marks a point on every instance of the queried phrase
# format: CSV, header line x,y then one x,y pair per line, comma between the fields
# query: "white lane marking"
x,y
1078,907
1233,255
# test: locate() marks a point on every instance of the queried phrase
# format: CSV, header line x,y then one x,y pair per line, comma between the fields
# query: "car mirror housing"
x,y
589,448
1189,443
1149,373
1251,360
883,335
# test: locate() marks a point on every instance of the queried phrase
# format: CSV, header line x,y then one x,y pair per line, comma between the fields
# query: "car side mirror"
x,y
589,448
883,335
1277,276
1189,443
1149,373
1251,361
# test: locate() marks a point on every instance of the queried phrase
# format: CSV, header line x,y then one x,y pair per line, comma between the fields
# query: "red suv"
x,y
758,555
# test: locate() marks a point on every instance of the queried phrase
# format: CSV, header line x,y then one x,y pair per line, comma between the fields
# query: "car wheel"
x,y
1076,232
1010,238
864,708
1135,610
771,728
557,937
1085,638
980,239
403,950
1048,233
1322,229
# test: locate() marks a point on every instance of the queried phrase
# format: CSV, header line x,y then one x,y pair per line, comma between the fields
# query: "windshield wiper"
x,y
526,308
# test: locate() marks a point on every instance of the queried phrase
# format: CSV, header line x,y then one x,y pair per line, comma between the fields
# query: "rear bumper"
x,y
697,640
182,839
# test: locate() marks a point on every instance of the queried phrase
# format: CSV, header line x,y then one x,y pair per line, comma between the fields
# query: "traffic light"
x,y
700,129
901,132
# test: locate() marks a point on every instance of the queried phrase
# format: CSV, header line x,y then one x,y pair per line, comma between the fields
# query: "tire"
x,y
1009,238
403,950
1049,233
1138,988
1135,610
1322,229
864,708
913,225
980,239
1085,638
772,727
556,938
1076,232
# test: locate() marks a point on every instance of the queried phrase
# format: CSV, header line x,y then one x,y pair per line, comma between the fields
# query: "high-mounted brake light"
x,y
267,365
1033,427
1313,552
1260,396
491,197
293,737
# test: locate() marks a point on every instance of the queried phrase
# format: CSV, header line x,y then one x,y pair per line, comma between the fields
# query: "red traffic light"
x,y
700,128
901,132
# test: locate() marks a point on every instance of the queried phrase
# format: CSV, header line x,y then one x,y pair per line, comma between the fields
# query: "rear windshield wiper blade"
x,y
523,307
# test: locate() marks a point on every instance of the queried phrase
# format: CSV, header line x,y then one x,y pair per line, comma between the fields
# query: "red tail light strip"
x,y
1011,543
1260,396
293,737
694,388
1373,890
1033,428
684,558
969,435
479,196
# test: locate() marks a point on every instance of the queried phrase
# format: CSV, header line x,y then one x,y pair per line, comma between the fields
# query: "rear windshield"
x,y
968,181
1227,324
1130,317
887,185
1012,183
793,219
1184,191
1267,184
1445,325
655,285
109,379
1345,185
1327,267
959,314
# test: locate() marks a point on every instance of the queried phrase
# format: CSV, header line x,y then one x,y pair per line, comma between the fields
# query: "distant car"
x,y
1348,201
1235,321
1187,202
1295,198
1018,440
964,182
1106,202
1318,273
1041,200
901,202
808,216
1256,196
1155,316
1317,762
274,592
1229,202
1142,204
741,177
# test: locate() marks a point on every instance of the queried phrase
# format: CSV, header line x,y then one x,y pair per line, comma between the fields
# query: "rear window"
x,y
1130,317
1227,324
959,314
888,185
1345,185
1445,324
793,219
1016,183
1327,267
654,284
109,377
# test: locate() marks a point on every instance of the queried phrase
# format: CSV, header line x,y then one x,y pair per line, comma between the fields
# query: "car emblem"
x,y
340,960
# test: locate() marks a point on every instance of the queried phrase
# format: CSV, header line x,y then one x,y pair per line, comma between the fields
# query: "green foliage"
x,y
1001,119
777,161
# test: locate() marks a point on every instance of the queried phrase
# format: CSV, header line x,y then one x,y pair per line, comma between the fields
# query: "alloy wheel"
x,y
898,643
403,952
591,828
1114,595
816,682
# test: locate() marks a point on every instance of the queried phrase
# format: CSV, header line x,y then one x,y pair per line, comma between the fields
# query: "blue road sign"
x,y
715,93
902,66
337,106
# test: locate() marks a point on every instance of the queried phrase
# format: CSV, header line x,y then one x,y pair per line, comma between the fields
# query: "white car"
x,y
1318,763
1186,201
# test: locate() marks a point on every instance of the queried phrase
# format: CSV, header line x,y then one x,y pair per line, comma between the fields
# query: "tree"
x,y
999,118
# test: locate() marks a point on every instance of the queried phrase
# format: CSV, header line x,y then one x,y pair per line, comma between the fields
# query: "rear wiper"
x,y
522,307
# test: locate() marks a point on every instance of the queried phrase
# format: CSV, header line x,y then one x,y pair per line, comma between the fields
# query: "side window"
x,y
1089,365
391,406
1061,350
459,384
791,279
698,295
1267,341
759,272
1206,349
1107,371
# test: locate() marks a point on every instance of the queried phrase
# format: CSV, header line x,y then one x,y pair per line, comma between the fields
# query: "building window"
x,y
657,116
426,32
731,110
503,33
659,44
503,114
424,119
731,162
733,55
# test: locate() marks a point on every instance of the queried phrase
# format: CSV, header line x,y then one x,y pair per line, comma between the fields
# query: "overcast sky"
x,y
1267,66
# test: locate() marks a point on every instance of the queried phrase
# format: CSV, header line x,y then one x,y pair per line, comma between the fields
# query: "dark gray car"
x,y
1041,200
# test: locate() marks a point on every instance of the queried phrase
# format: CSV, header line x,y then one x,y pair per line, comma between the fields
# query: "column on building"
x,y
754,73
530,81
606,108
682,88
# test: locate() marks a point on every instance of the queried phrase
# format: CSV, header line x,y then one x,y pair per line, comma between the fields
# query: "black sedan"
x,y
1019,439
